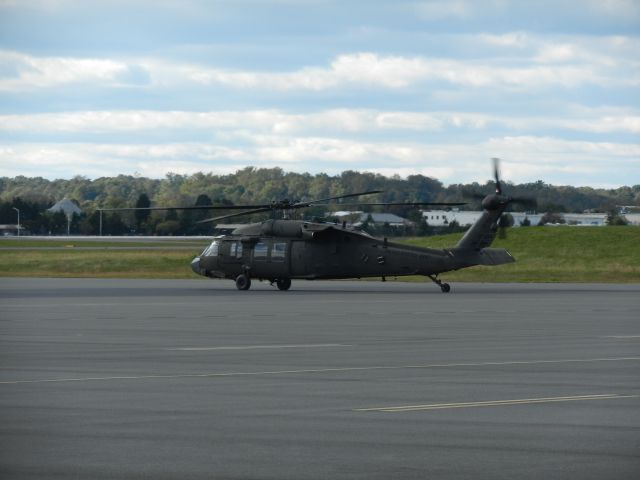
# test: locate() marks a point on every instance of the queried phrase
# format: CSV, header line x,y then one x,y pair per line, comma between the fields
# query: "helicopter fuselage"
x,y
290,249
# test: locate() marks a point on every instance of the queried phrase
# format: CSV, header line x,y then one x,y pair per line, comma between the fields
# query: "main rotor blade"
x,y
237,214
525,201
279,205
196,207
349,195
405,204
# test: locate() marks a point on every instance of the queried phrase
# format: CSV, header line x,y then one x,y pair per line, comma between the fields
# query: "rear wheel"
x,y
243,282
283,283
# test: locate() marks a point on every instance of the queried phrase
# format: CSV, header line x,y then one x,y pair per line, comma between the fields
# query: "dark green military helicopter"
x,y
279,250
282,250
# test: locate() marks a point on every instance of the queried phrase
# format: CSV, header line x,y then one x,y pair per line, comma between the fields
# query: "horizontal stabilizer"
x,y
494,256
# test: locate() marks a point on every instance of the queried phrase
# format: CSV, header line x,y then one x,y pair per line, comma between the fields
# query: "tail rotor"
x,y
498,201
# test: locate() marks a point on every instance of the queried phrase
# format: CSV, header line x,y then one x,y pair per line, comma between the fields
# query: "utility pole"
x,y
18,210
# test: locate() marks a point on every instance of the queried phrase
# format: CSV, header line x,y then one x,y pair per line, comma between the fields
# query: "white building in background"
x,y
359,217
632,218
591,219
465,218
519,218
384,218
442,218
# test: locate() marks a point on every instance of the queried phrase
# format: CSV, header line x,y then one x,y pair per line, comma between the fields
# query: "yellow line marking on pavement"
x,y
493,403
260,347
318,370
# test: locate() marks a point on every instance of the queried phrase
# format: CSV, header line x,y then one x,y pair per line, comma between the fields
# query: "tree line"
x,y
33,195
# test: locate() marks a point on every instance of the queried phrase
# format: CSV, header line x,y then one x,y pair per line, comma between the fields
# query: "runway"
x,y
186,379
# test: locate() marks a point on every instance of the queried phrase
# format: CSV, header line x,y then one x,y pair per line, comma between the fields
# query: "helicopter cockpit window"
x,y
278,252
260,251
212,250
239,250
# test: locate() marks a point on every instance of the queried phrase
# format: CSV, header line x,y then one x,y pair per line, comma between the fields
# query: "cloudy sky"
x,y
103,88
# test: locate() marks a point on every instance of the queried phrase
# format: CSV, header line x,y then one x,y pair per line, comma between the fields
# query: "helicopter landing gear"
x,y
445,287
283,284
243,282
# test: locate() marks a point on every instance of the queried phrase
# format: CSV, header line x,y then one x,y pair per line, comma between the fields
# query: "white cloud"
x,y
400,72
562,64
29,72
526,158
561,161
556,54
349,121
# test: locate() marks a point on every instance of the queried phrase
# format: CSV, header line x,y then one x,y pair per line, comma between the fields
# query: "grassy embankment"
x,y
543,254
557,254
166,259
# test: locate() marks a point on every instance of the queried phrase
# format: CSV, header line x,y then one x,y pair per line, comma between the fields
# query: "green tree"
x,y
142,215
192,217
551,217
168,227
614,218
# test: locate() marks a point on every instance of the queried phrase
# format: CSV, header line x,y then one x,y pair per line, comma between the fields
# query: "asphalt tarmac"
x,y
174,379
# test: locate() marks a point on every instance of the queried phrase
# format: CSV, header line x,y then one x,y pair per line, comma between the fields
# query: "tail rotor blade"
x,y
496,175
527,202
502,227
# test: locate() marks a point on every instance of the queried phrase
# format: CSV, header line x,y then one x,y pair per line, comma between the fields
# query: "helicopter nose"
x,y
195,265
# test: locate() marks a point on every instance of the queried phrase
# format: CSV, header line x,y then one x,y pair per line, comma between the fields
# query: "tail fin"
x,y
494,256
484,230
473,249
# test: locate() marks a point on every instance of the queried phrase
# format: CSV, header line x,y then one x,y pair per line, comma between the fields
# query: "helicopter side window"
x,y
278,252
260,251
233,250
239,250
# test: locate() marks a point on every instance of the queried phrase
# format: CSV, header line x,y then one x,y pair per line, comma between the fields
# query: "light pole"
x,y
18,210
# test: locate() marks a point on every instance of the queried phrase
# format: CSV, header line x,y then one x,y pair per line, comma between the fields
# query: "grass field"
x,y
543,254
167,258
60,242
557,254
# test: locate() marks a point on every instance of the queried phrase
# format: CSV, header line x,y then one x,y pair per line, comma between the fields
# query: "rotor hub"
x,y
495,202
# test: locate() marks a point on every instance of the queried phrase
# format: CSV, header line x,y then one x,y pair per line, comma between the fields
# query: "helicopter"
x,y
282,250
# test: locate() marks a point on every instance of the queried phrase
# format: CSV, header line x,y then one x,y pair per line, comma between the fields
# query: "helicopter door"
x,y
231,252
298,258
278,258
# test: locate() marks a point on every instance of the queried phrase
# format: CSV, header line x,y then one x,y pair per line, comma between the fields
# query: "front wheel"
x,y
283,283
243,282
445,288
